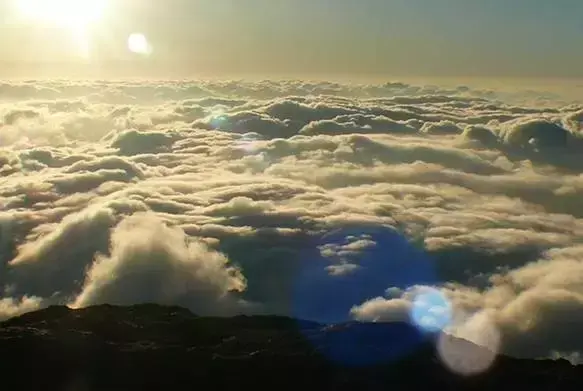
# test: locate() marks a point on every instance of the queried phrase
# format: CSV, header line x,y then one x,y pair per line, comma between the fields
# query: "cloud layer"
x,y
317,200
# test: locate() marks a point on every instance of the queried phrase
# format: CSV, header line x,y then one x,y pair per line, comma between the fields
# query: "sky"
x,y
374,38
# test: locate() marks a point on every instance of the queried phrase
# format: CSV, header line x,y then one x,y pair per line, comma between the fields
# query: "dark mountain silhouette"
x,y
151,347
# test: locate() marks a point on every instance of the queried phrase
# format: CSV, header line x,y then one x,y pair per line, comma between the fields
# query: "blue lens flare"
x,y
350,266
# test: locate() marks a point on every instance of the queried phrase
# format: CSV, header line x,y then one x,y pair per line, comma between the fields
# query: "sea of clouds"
x,y
317,200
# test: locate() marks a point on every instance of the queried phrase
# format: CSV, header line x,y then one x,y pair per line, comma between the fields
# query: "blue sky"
x,y
394,37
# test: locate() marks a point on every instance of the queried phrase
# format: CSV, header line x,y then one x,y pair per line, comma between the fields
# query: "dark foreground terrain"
x,y
149,347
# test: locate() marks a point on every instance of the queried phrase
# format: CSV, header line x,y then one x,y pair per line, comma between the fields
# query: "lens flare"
x,y
138,43
430,310
471,345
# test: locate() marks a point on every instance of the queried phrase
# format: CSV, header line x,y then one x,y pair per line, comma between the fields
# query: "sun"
x,y
76,16
63,13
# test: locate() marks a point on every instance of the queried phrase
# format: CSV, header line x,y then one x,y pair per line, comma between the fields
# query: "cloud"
x,y
317,200
151,262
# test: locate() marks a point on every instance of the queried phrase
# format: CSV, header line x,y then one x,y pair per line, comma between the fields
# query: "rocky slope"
x,y
150,347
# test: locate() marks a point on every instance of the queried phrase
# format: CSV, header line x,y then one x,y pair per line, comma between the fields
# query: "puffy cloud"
x,y
153,263
318,200
10,307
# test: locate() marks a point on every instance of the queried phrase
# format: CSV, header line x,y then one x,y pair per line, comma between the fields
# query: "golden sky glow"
x,y
63,13
371,38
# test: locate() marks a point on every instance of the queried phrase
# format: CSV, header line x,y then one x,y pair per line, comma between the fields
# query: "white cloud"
x,y
307,199
153,263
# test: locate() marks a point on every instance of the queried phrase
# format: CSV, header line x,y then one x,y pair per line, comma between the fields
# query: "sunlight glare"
x,y
76,16
64,13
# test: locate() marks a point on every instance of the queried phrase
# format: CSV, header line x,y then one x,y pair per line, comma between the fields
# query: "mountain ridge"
x,y
153,347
